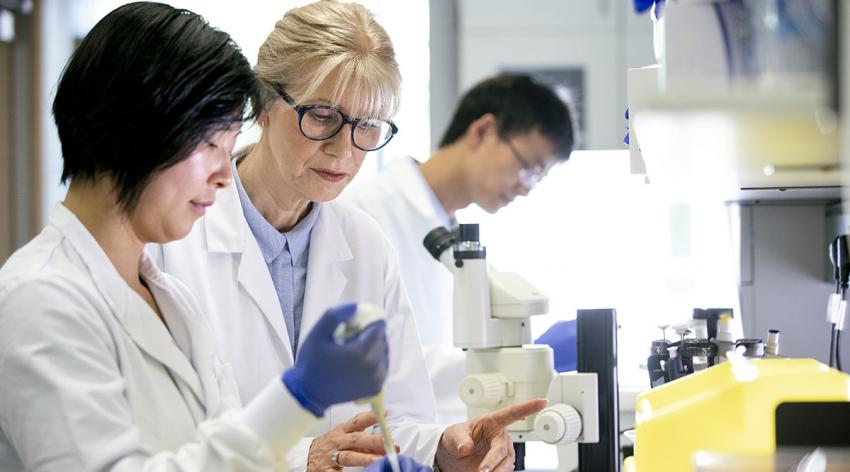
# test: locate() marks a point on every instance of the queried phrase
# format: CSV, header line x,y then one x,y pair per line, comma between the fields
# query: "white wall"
x,y
604,37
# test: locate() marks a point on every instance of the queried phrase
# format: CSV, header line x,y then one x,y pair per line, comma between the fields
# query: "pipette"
x,y
364,316
377,404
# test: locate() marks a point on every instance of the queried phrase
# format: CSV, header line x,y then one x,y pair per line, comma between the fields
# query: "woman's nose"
x,y
340,144
223,174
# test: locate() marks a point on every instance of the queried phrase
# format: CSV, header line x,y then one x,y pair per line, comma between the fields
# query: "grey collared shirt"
x,y
286,255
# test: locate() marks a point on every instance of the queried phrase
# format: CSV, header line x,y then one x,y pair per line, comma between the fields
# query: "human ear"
x,y
479,129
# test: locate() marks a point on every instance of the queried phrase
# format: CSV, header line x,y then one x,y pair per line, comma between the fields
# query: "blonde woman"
x,y
277,250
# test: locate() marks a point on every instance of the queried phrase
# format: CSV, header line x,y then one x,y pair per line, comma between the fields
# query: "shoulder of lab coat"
x,y
399,186
350,261
406,209
70,369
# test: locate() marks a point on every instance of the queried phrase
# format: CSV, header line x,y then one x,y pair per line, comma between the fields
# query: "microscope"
x,y
491,323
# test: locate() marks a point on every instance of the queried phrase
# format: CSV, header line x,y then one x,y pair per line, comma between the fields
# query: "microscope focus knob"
x,y
484,390
558,424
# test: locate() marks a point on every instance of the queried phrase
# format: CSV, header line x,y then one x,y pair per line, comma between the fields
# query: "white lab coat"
x,y
407,210
93,380
349,261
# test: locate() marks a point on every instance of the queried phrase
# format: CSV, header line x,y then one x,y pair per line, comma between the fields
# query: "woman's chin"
x,y
173,233
326,195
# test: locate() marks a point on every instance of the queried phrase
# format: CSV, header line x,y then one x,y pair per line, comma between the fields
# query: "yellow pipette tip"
x,y
377,404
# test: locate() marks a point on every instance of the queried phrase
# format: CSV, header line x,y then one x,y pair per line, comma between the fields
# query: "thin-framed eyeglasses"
x,y
320,122
528,175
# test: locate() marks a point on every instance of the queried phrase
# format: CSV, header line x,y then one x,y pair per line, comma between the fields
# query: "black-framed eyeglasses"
x,y
529,175
320,122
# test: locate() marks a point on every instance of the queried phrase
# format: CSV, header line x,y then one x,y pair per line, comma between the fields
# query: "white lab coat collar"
x,y
137,318
193,333
405,172
227,231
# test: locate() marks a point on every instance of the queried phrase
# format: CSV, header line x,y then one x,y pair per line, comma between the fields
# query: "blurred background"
x,y
652,232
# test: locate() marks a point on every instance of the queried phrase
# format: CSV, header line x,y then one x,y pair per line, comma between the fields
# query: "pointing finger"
x,y
513,413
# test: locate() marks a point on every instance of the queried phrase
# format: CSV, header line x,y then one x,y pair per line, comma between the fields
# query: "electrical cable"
x,y
832,325
832,346
838,332
839,255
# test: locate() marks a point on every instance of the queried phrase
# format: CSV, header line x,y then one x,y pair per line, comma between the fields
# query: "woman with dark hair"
x,y
107,363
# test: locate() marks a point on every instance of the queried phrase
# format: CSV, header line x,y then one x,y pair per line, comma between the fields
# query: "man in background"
x,y
506,134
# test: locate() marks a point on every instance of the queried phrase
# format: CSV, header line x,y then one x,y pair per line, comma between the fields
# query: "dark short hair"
x,y
147,84
520,105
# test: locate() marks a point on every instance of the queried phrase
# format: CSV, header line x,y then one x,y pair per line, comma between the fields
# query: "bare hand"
x,y
356,447
483,444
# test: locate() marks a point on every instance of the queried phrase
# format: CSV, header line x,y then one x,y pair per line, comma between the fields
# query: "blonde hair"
x,y
329,39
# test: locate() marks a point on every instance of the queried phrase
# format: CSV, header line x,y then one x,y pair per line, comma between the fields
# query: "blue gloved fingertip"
x,y
643,5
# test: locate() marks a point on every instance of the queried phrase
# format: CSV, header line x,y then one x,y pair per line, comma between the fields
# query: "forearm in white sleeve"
x,y
277,418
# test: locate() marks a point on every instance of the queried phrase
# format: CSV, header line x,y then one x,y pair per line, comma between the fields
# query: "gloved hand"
x,y
406,464
644,5
561,336
626,139
326,373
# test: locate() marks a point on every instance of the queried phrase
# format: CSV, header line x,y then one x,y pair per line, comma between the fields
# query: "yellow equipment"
x,y
727,409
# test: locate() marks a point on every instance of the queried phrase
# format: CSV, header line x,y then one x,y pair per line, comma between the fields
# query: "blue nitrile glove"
x,y
561,336
405,463
644,5
626,139
326,373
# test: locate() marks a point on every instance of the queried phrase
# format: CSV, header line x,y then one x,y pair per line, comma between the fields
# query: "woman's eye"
x,y
323,115
212,144
368,127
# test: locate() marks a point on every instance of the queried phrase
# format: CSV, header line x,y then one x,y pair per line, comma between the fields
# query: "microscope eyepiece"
x,y
438,240
468,233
